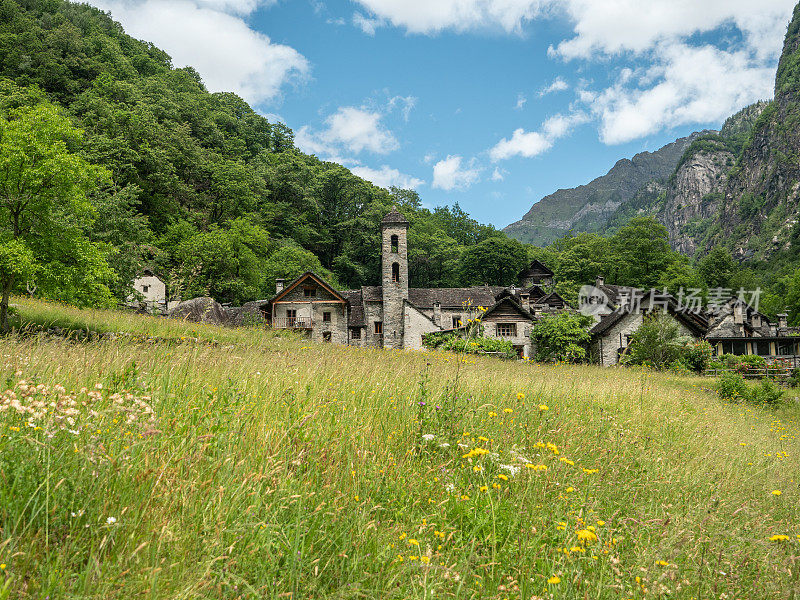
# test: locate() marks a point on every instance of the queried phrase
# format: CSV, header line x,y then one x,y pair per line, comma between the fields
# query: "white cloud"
x,y
431,16
406,104
689,85
387,177
498,174
366,24
532,143
521,100
666,77
351,129
211,36
558,85
448,174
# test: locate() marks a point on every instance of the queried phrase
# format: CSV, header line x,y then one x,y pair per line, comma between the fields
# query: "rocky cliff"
x,y
589,207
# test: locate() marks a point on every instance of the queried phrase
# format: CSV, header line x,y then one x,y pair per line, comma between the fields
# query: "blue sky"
x,y
489,103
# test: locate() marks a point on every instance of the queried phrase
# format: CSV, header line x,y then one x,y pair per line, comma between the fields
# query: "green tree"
x,y
717,267
562,337
642,252
657,343
44,187
496,261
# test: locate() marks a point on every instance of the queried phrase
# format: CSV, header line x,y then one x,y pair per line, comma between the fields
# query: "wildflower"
x,y
568,461
601,523
591,471
503,477
477,469
413,542
554,580
111,520
497,486
508,410
484,488
520,396
428,437
662,563
779,538
536,467
483,439
357,498
570,489
776,492
402,536
543,408
425,559
492,414
464,497
586,536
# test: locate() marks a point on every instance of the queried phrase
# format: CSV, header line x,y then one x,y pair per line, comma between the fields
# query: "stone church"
x,y
395,315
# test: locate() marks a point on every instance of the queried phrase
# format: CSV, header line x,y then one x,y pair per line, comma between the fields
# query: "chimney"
x,y
738,313
437,313
783,320
526,300
599,281
756,320
279,285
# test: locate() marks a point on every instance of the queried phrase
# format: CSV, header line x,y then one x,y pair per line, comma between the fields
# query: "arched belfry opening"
x,y
395,272
395,244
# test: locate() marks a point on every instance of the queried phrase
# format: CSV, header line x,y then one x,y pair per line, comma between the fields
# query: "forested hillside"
x,y
206,191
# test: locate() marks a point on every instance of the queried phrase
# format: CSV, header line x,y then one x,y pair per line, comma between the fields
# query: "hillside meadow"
x,y
186,461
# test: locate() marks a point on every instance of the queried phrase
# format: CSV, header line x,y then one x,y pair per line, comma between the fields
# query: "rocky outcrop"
x,y
247,315
693,197
200,310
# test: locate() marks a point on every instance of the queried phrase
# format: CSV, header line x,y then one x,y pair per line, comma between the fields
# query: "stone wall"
x,y
607,347
395,293
416,325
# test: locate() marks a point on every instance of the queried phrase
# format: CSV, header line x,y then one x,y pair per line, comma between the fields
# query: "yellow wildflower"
x,y
776,492
520,396
554,580
779,538
543,407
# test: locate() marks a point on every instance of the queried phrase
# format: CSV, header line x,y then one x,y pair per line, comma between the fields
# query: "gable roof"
x,y
305,276
553,299
535,268
696,323
512,301
482,295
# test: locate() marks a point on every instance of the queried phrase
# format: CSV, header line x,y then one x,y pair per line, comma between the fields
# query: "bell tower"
x,y
394,276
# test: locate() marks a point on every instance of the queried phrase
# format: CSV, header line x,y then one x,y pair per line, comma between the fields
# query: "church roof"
x,y
394,217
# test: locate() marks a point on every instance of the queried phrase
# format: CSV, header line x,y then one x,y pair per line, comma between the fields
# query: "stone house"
x,y
536,274
395,315
617,323
153,292
737,328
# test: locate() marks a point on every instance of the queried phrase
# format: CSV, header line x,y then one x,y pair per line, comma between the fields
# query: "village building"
x,y
396,315
737,328
150,293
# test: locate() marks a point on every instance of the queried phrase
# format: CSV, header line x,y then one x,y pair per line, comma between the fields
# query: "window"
x,y
310,292
395,272
326,317
291,317
507,329
145,288
456,322
395,242
378,327
326,336
355,333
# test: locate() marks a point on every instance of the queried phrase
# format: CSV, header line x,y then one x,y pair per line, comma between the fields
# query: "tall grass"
x,y
276,468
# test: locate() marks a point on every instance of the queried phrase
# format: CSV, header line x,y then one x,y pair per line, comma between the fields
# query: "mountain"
x,y
739,187
589,207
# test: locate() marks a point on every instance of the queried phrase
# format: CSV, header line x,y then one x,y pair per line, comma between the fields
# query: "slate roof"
x,y
513,302
483,295
695,322
394,217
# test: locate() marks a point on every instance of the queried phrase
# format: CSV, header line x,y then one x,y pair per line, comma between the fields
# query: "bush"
x,y
697,356
731,386
767,392
657,342
453,342
562,337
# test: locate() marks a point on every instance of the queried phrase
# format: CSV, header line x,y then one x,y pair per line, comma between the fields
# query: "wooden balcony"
x,y
292,323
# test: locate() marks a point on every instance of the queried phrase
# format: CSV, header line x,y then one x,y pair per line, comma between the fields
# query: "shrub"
x,y
656,342
697,356
731,386
454,342
767,392
562,337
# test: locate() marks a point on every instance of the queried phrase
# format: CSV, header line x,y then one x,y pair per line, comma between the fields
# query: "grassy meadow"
x,y
187,461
